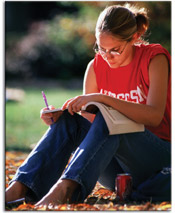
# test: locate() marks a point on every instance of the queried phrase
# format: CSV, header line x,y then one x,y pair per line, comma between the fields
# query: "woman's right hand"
x,y
48,117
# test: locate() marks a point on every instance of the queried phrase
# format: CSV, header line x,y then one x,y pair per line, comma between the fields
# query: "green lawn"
x,y
23,124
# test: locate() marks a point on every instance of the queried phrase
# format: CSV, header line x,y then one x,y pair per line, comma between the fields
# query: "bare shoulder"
x,y
90,84
90,67
159,68
159,61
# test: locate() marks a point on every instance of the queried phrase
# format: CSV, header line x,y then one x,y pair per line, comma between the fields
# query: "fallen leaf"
x,y
25,207
106,197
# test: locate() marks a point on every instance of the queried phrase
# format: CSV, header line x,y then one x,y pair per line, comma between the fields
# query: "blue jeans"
x,y
98,156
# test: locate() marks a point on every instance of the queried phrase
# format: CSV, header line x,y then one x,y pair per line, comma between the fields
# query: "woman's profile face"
x,y
115,52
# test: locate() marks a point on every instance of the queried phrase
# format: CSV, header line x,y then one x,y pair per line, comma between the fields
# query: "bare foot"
x,y
15,191
60,193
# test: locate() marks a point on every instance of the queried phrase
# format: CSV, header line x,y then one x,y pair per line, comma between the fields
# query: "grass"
x,y
23,124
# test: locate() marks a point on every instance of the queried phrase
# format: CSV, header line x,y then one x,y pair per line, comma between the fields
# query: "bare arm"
x,y
150,113
89,86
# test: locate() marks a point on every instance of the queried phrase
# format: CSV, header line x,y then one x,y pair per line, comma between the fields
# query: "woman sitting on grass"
x,y
133,78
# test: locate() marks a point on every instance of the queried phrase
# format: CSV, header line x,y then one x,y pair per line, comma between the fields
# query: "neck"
x,y
129,57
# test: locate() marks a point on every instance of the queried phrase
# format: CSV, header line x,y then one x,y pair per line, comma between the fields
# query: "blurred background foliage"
x,y
54,40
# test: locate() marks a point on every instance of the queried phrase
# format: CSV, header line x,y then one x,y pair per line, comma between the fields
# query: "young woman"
x,y
133,78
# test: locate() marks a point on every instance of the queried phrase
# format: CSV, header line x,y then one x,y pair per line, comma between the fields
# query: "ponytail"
x,y
142,21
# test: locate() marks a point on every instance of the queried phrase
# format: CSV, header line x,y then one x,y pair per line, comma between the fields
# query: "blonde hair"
x,y
123,21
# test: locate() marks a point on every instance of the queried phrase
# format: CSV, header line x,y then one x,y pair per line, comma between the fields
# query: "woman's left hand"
x,y
75,104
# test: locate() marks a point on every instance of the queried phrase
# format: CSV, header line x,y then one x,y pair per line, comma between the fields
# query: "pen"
x,y
45,99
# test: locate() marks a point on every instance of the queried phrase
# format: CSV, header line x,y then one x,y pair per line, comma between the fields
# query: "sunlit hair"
x,y
123,21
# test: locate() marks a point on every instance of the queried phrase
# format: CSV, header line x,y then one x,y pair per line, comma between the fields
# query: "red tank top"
x,y
131,82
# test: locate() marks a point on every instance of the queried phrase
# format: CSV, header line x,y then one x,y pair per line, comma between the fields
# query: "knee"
x,y
64,121
71,123
65,117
